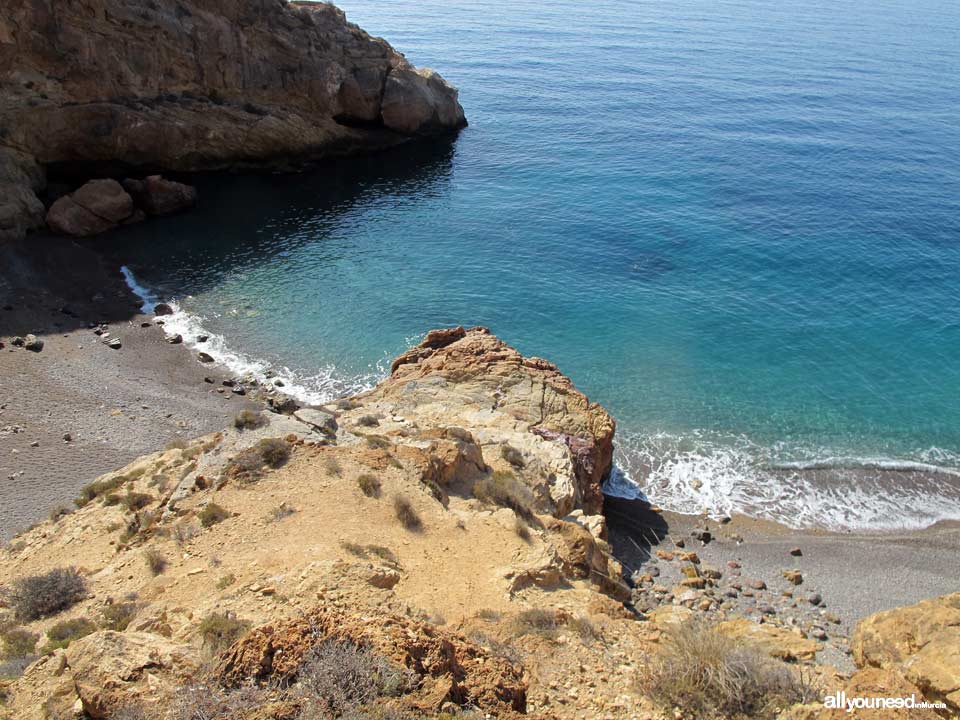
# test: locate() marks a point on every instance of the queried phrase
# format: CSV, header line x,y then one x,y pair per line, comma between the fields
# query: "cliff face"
x,y
107,86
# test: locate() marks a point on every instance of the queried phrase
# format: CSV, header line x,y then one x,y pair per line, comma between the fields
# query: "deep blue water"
x,y
735,224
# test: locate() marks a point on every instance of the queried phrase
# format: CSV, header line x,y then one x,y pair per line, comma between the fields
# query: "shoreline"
x,y
119,404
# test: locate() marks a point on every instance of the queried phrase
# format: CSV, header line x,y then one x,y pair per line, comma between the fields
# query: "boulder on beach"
x,y
96,207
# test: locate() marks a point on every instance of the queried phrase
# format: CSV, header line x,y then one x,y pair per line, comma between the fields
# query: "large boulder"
x,y
920,641
108,87
158,196
96,207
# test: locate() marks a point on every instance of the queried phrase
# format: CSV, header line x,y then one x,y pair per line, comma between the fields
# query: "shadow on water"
x,y
634,530
245,220
55,284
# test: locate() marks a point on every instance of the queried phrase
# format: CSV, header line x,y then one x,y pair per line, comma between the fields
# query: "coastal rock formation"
x,y
921,642
115,87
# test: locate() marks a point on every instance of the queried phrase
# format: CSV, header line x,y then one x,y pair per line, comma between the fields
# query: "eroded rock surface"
x,y
110,87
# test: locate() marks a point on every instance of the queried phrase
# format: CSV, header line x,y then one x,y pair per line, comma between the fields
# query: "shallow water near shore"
x,y
735,225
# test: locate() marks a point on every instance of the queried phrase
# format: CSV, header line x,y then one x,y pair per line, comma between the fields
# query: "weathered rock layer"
x,y
100,87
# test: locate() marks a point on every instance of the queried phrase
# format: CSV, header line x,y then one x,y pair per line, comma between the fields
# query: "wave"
x,y
706,474
318,387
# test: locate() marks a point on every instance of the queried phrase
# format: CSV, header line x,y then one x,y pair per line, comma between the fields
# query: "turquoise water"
x,y
734,224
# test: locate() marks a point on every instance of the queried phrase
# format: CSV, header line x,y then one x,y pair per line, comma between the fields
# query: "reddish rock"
x,y
98,206
158,196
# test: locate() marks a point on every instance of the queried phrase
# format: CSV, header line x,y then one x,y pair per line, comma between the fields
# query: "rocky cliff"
x,y
109,87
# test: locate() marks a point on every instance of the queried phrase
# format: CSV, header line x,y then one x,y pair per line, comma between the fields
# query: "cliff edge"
x,y
108,87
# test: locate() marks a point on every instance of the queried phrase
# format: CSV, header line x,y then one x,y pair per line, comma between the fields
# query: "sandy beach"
x,y
79,408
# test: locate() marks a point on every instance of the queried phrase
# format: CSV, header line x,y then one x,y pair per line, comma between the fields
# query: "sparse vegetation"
x,y
340,677
155,560
369,551
65,632
368,421
212,514
220,630
182,533
332,466
211,702
536,621
248,465
98,488
369,485
521,529
118,616
58,512
134,501
347,404
503,488
37,596
249,420
705,673
226,581
406,514
17,643
377,442
280,512
512,455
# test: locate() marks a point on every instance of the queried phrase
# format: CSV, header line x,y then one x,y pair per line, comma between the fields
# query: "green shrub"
x,y
212,514
369,485
221,630
17,643
705,673
37,596
249,420
406,514
502,488
65,632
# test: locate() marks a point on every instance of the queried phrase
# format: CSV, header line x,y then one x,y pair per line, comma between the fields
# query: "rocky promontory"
x,y
117,88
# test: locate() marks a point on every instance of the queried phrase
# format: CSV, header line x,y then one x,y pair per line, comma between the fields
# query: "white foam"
x,y
322,386
724,476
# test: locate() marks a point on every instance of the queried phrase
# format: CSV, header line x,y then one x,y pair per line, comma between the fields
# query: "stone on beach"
x,y
97,206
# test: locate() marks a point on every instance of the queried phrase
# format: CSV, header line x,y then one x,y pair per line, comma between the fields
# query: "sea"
x,y
733,223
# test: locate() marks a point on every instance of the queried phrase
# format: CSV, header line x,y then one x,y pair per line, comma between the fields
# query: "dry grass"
x,y
155,560
708,674
212,514
63,633
369,485
226,581
371,551
221,630
37,596
249,420
503,488
406,514
98,488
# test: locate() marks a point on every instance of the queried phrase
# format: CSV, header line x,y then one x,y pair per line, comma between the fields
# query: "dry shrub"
x,y
226,581
65,632
37,596
406,514
89,493
371,551
134,501
17,643
212,514
502,488
281,512
221,630
155,560
118,616
248,465
249,420
512,455
58,512
708,674
542,623
522,531
369,485
210,702
332,466
377,442
340,676
368,421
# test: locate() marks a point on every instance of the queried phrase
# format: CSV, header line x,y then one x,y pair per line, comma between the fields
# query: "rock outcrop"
x,y
99,88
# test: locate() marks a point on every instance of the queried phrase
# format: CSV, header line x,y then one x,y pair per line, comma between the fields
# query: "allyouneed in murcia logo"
x,y
840,700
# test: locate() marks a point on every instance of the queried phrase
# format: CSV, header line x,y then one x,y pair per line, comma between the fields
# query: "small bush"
x,y
212,514
347,404
249,420
65,632
226,581
521,529
368,421
406,514
248,464
332,466
118,616
17,643
58,512
182,533
38,596
89,493
134,501
221,630
155,560
512,455
377,442
342,676
12,669
369,485
280,512
368,551
502,488
211,702
705,673
274,451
